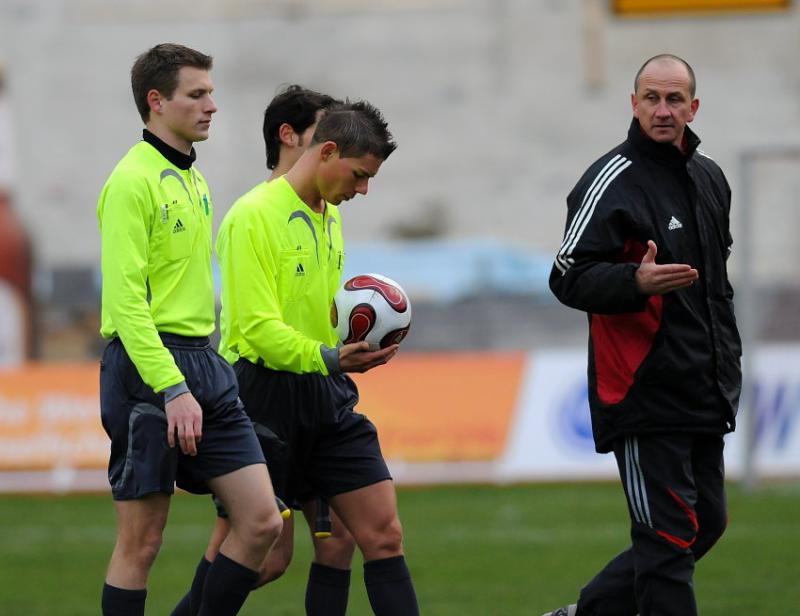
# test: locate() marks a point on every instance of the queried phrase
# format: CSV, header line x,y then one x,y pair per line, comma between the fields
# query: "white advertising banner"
x,y
551,437
775,399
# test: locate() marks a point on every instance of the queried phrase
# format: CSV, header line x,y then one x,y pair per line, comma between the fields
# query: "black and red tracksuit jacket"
x,y
662,363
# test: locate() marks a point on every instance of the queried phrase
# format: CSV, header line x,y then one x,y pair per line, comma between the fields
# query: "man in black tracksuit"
x,y
644,255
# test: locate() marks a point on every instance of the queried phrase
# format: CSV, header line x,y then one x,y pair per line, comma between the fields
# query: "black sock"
x,y
389,587
121,602
227,585
190,604
327,591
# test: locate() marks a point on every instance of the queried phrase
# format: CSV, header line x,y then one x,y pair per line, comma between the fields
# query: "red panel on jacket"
x,y
622,341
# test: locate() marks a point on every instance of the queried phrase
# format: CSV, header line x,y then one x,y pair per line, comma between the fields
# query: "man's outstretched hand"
x,y
655,279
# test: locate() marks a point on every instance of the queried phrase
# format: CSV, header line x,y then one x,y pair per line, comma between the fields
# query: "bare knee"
x,y
141,551
391,538
266,528
275,565
278,558
382,540
150,548
260,528
140,525
336,551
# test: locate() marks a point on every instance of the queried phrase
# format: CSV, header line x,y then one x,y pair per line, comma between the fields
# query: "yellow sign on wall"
x,y
637,8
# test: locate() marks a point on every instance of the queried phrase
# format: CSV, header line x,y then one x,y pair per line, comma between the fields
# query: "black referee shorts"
x,y
314,442
141,461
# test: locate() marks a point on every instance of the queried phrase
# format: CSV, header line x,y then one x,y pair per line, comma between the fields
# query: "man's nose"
x,y
662,109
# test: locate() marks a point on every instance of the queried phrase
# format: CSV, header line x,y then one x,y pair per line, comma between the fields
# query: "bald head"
x,y
664,101
666,59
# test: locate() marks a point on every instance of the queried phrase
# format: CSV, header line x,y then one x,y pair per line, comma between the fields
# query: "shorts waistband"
x,y
304,377
194,342
259,363
263,365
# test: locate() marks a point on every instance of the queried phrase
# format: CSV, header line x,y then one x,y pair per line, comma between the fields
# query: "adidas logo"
x,y
178,227
300,271
674,223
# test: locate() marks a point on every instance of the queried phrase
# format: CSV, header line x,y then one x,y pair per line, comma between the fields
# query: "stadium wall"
x,y
497,105
450,417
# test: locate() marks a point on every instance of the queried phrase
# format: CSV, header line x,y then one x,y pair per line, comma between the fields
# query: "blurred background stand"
x,y
16,267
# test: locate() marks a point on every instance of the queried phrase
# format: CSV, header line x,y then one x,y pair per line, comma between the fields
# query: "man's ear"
x,y
694,106
154,99
287,134
328,149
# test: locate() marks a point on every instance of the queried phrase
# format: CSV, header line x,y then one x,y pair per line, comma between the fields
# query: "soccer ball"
x,y
371,307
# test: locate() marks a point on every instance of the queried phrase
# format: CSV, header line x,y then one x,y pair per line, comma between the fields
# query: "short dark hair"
x,y
293,105
667,56
157,69
357,129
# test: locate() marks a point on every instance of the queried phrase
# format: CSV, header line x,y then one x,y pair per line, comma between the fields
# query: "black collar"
x,y
179,159
665,153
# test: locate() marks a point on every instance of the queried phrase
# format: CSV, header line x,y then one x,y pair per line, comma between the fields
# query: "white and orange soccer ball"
x,y
371,307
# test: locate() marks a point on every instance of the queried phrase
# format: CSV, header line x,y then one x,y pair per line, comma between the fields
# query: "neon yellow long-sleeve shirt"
x,y
281,263
155,224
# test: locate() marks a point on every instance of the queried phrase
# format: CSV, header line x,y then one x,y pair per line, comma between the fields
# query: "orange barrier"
x,y
437,407
443,407
50,417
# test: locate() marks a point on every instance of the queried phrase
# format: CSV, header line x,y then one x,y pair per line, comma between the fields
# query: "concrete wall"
x,y
498,105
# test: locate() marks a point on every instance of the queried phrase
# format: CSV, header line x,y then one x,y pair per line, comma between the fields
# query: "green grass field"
x,y
473,550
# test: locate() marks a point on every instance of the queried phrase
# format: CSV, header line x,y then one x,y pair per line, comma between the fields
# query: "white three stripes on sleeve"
x,y
613,168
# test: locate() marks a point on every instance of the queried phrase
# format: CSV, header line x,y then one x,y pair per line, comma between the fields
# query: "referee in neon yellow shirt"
x,y
289,123
168,402
281,255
